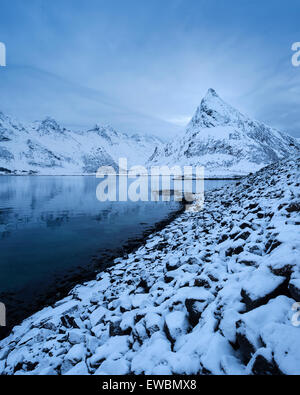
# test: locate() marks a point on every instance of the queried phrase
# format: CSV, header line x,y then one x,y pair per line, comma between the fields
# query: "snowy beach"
x,y
212,293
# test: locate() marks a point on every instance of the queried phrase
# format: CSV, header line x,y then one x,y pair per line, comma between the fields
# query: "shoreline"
x,y
233,178
211,293
61,289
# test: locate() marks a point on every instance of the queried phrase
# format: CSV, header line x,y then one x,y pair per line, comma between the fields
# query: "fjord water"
x,y
55,233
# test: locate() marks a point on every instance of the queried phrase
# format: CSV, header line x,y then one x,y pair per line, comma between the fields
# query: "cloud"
x,y
145,66
71,104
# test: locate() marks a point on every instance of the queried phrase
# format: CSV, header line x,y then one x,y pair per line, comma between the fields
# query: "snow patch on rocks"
x,y
212,293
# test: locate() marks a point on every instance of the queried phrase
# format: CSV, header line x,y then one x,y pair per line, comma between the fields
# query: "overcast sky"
x,y
144,65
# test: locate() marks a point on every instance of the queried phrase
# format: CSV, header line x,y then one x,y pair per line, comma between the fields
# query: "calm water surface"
x,y
54,233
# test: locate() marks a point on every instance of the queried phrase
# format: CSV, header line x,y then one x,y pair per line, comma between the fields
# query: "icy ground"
x,y
213,293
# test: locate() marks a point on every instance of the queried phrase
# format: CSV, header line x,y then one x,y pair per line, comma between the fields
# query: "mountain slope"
x,y
47,148
135,148
226,142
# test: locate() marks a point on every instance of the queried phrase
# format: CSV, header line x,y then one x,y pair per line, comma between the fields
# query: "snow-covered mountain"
x,y
214,293
47,148
226,142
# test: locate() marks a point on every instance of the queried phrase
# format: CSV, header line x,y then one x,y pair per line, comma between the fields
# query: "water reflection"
x,y
53,229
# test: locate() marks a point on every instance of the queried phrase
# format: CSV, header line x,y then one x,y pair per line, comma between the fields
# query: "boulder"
x,y
261,287
263,364
195,309
176,325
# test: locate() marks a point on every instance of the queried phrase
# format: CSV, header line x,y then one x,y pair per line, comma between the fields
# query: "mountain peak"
x,y
211,93
2,116
105,131
214,111
49,125
225,142
5,117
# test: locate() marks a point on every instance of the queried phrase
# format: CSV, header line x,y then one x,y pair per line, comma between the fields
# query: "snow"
x,y
76,336
261,282
227,143
76,353
177,324
79,369
110,368
213,300
46,148
97,315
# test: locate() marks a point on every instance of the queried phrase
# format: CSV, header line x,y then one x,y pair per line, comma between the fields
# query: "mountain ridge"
x,y
46,148
226,142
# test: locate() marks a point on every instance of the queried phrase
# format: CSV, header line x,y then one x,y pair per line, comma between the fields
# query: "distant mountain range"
x,y
47,148
226,142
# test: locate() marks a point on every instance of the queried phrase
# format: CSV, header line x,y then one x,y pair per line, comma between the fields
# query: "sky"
x,y
144,65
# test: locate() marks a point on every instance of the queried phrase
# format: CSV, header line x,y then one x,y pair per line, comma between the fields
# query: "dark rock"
x,y
30,366
206,372
3,169
223,238
243,236
115,329
246,347
253,304
293,207
138,318
272,245
207,257
245,225
284,271
69,322
62,339
234,251
255,250
234,235
212,278
280,207
168,279
143,284
195,309
19,366
294,291
226,204
162,246
170,266
200,282
252,206
168,335
263,367
193,261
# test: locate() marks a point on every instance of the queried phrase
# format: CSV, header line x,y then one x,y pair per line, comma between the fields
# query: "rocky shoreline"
x,y
62,286
212,292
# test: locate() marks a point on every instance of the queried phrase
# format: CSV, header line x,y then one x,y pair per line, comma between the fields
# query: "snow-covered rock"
x,y
212,301
226,142
47,148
